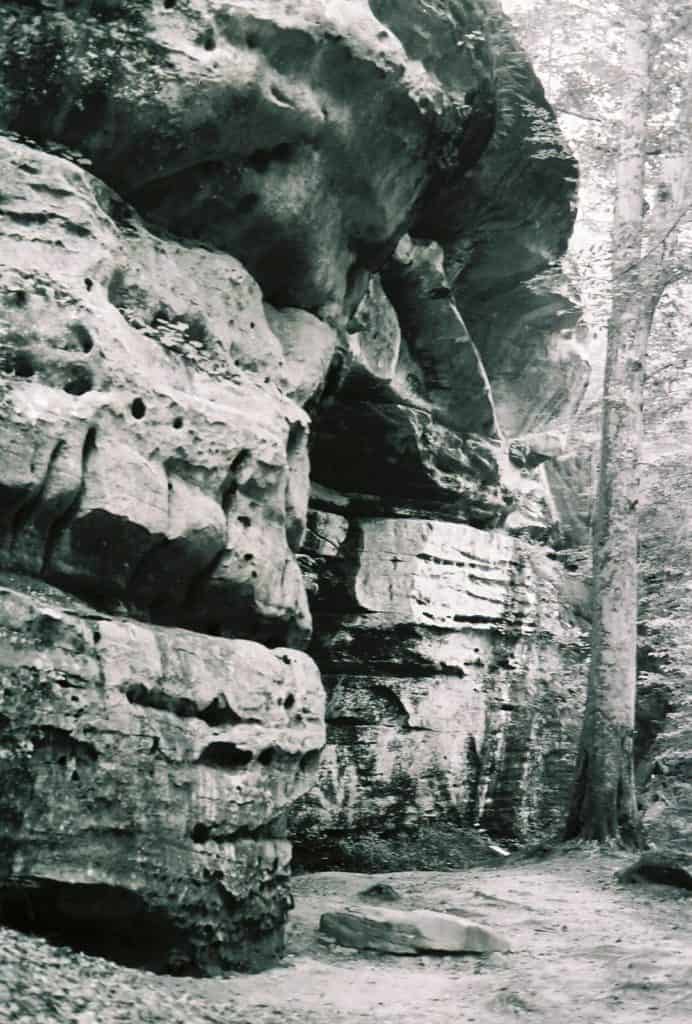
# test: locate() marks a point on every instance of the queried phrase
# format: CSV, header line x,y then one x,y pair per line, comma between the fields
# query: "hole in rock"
x,y
20,297
158,699
289,701
280,96
240,460
19,363
245,520
247,203
226,756
178,422
168,4
248,557
251,40
209,40
261,159
80,381
228,494
101,920
267,757
60,745
200,833
219,712
296,436
89,284
86,342
138,408
310,761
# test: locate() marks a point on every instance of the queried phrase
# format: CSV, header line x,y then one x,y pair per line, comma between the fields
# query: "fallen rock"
x,y
380,892
410,931
671,867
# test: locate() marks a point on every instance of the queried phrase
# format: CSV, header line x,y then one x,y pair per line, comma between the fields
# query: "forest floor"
x,y
585,950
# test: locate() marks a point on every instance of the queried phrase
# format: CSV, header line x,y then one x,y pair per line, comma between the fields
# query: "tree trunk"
x,y
604,804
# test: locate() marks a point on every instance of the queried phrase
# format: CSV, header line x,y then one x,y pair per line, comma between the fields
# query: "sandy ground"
x,y
585,950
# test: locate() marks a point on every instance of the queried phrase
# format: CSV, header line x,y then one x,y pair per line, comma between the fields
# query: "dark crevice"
x,y
86,342
25,512
62,523
216,714
261,159
102,920
20,363
219,713
140,695
309,762
61,747
226,756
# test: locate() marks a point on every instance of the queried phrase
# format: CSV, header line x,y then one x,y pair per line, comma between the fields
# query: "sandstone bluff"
x,y
287,365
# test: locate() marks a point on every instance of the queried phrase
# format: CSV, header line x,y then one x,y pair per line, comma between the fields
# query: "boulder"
x,y
410,931
380,892
665,867
141,771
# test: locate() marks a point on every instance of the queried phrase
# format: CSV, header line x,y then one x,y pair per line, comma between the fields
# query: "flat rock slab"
x,y
410,931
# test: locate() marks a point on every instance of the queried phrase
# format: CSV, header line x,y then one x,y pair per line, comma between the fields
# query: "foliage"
x,y
433,846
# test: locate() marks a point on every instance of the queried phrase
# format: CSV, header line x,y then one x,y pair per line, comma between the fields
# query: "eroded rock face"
x,y
153,463
143,462
452,666
106,723
245,244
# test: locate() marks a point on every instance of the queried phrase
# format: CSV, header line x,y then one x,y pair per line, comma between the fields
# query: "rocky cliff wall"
x,y
284,353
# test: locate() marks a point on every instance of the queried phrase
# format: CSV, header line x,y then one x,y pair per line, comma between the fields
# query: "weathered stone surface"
x,y
455,378
532,341
453,680
156,451
427,571
308,346
296,189
140,463
149,762
410,931
406,458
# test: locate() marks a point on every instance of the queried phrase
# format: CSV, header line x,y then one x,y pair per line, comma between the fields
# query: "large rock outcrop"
x,y
283,342
142,770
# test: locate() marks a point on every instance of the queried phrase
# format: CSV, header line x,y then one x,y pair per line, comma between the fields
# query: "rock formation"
x,y
284,350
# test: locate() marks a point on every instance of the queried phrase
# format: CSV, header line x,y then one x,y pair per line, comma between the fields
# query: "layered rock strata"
x,y
452,662
244,245
142,768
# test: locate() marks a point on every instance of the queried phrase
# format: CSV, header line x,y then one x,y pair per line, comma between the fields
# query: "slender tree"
x,y
604,803
620,63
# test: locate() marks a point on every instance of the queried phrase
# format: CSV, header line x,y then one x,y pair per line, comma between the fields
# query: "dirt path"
x,y
585,951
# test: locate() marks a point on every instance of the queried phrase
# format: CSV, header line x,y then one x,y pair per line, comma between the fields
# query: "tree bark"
x,y
604,804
